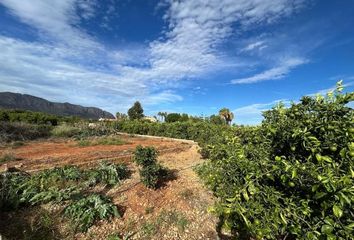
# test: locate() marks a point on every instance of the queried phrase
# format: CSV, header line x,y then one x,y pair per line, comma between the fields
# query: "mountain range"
x,y
9,100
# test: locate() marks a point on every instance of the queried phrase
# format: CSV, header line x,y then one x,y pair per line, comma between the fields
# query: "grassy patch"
x,y
7,157
65,131
101,141
173,217
166,219
186,194
17,144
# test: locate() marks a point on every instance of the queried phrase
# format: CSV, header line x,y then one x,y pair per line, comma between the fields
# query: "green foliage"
x,y
202,132
145,156
7,115
63,184
227,115
6,157
151,175
85,211
9,184
101,141
176,117
107,173
65,130
19,131
136,111
215,119
292,176
150,171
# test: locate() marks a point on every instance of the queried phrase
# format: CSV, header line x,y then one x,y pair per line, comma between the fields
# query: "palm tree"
x,y
162,115
227,115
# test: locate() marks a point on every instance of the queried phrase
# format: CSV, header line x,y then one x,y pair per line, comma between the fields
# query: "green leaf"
x,y
245,195
337,211
293,174
327,159
283,219
326,229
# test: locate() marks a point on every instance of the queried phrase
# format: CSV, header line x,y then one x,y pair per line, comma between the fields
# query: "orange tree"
x,y
292,177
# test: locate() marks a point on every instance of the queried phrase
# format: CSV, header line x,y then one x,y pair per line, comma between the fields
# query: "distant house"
x,y
150,119
107,119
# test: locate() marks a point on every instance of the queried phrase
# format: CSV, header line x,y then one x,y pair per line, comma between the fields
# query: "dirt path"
x,y
177,210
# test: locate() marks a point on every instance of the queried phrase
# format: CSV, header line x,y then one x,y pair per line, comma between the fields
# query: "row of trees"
x,y
136,112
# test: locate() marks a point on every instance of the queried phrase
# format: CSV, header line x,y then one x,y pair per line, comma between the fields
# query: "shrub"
x,y
107,173
150,171
17,131
152,174
85,211
145,156
9,184
6,157
65,131
293,176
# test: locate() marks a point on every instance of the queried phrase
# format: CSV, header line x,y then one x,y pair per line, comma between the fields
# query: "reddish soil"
x,y
176,210
44,154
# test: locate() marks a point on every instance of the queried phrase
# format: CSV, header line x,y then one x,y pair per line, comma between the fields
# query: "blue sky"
x,y
176,56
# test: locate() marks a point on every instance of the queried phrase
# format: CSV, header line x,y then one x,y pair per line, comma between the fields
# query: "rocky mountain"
x,y
10,100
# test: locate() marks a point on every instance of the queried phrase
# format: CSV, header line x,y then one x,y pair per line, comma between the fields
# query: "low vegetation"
x,y
20,131
85,211
67,185
7,157
101,141
151,172
33,117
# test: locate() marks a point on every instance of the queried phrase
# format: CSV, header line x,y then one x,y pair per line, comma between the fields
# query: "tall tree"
x,y
227,115
121,116
136,111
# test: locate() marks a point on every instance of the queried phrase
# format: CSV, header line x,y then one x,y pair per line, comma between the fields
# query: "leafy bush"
x,y
85,211
65,130
29,117
11,115
150,171
9,183
151,175
107,173
292,177
145,156
18,131
6,157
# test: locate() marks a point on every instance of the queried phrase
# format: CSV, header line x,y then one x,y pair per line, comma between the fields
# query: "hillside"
x,y
10,100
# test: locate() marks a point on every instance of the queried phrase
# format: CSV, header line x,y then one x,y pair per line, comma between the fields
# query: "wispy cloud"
x,y
252,114
69,63
56,20
259,45
277,72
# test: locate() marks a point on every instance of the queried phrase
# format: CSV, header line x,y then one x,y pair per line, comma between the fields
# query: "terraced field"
x,y
177,210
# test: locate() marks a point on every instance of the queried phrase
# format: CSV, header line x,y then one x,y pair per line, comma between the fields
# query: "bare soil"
x,y
176,210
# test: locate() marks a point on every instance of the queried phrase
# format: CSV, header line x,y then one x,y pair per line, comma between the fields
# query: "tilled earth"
x,y
176,210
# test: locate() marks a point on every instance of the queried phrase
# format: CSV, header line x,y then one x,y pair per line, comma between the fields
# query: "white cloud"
x,y
252,114
254,45
274,73
56,19
68,64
